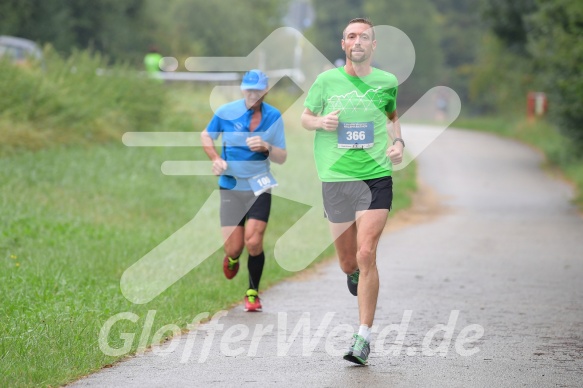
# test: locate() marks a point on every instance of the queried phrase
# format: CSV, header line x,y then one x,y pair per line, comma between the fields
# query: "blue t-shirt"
x,y
232,120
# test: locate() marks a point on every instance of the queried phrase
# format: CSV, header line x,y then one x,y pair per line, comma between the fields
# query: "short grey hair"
x,y
359,20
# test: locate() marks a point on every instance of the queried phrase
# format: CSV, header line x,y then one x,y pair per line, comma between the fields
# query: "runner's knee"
x,y
365,258
254,244
233,252
348,267
347,263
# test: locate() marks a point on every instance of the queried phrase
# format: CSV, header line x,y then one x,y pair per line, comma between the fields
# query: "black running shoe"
x,y
352,281
359,351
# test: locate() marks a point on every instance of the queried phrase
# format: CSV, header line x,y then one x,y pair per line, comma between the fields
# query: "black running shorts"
x,y
343,199
237,206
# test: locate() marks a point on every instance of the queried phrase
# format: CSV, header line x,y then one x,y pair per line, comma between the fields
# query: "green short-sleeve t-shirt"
x,y
362,100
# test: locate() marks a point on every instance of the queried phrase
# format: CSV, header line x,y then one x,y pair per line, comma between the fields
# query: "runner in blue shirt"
x,y
252,136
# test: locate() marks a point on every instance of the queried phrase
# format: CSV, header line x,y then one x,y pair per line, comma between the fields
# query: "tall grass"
x,y
74,100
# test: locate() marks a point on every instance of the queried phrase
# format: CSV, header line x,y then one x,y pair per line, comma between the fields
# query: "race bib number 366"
x,y
356,135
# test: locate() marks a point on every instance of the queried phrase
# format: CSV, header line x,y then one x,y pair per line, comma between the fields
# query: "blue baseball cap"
x,y
254,79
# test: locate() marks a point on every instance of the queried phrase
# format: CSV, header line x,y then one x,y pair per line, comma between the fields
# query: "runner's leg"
x,y
369,225
344,235
254,232
233,238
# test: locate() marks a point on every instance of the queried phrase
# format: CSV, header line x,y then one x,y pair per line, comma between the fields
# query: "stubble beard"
x,y
363,57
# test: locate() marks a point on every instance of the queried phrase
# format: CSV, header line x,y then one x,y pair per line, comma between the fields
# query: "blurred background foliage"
x,y
491,52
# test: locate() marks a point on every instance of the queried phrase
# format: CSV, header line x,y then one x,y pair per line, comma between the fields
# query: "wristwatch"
x,y
399,139
269,148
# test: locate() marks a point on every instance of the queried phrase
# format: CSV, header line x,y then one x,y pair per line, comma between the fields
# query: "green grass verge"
x,y
560,153
73,218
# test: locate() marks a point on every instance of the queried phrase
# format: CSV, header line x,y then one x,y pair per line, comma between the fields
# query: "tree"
x,y
548,36
554,40
499,79
117,28
461,32
507,19
331,18
214,28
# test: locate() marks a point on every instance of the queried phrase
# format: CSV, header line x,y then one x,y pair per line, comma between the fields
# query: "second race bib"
x,y
261,183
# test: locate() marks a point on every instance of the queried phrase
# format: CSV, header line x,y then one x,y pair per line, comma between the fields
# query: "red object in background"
x,y
536,105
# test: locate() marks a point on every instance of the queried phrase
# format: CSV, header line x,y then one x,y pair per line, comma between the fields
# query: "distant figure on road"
x,y
347,107
252,136
441,107
152,62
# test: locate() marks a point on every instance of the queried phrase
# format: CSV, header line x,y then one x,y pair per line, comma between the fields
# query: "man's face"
x,y
358,43
253,97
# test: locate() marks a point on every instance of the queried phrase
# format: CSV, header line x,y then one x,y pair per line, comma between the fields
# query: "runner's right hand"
x,y
330,121
219,165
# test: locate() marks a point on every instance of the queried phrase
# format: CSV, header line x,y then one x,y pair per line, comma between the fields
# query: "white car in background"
x,y
19,50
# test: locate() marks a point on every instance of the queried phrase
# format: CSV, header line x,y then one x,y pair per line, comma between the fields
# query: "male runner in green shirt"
x,y
355,147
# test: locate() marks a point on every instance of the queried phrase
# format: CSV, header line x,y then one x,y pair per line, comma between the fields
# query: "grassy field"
x,y
74,215
561,155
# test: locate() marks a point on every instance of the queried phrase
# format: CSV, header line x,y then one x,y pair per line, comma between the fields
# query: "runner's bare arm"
x,y
393,126
395,151
219,165
311,121
276,154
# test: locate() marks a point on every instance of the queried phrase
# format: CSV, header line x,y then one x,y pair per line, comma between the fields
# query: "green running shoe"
x,y
352,281
359,351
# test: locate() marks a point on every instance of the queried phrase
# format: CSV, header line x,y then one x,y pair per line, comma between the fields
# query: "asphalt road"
x,y
501,270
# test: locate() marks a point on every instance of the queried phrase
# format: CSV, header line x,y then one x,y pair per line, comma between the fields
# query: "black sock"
x,y
255,267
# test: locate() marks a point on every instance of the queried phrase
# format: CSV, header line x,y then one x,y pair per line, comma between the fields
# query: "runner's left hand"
x,y
256,144
395,153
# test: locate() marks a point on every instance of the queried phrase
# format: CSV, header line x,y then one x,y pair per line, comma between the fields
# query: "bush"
x,y
555,43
